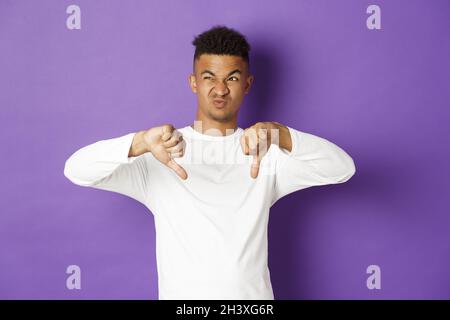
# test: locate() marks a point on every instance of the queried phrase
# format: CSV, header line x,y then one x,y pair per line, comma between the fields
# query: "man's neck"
x,y
214,128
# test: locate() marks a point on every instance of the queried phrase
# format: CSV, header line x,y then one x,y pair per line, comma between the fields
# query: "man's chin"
x,y
217,116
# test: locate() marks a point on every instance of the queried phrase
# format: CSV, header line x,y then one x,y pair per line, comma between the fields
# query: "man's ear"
x,y
193,83
249,82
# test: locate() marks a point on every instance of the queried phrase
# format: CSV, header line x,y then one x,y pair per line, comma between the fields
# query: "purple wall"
x,y
382,95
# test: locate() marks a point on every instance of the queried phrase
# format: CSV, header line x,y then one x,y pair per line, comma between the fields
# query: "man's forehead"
x,y
219,63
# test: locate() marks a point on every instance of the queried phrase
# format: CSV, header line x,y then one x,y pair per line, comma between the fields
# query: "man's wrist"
x,y
139,145
284,136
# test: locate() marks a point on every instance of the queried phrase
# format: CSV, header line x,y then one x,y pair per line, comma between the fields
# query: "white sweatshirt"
x,y
211,229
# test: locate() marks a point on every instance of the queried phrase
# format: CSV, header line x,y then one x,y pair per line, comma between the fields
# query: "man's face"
x,y
220,82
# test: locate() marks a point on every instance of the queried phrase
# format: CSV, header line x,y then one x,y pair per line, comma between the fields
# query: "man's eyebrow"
x,y
229,74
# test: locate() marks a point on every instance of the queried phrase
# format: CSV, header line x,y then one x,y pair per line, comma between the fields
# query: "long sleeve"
x,y
313,161
105,165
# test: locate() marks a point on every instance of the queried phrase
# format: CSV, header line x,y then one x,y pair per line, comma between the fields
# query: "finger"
x,y
167,130
262,134
177,168
252,139
176,155
262,143
244,145
179,147
174,139
255,167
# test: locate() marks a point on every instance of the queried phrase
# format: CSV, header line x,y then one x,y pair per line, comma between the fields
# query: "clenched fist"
x,y
165,143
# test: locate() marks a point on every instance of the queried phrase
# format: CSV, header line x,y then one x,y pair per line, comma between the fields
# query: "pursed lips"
x,y
220,103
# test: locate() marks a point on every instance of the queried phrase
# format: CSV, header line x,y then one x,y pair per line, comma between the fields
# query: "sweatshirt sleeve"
x,y
312,161
105,165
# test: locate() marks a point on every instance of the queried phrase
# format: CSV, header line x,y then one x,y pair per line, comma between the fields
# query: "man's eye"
x,y
206,78
237,79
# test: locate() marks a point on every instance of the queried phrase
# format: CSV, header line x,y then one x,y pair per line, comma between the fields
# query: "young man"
x,y
210,185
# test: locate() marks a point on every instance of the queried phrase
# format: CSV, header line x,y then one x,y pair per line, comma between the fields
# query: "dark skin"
x,y
219,77
222,77
227,77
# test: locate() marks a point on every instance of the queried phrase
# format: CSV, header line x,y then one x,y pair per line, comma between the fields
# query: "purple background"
x,y
382,95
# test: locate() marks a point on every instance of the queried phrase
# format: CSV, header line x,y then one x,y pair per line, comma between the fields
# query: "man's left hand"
x,y
257,139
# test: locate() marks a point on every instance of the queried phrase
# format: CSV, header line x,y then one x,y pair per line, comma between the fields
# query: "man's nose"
x,y
221,88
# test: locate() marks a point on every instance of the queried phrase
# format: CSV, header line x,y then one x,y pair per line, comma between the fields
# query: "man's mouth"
x,y
219,103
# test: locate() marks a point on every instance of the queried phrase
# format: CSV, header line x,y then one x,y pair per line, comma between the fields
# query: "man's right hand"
x,y
166,143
